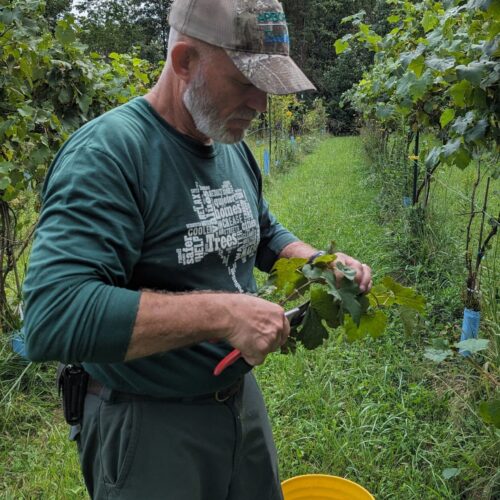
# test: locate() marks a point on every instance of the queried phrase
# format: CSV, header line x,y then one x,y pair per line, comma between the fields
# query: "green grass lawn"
x,y
375,411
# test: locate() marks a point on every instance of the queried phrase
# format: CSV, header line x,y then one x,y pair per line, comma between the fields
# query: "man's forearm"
x,y
170,321
297,249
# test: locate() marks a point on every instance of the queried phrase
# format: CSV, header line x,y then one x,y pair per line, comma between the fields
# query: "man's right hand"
x,y
255,326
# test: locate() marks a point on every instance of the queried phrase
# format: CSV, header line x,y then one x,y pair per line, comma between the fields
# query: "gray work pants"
x,y
202,450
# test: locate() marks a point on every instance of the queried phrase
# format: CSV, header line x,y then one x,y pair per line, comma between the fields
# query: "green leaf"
x,y
381,296
347,271
349,293
490,412
451,147
460,93
405,296
323,261
460,158
393,19
4,182
451,472
417,66
433,157
340,46
285,275
440,64
312,333
478,131
446,116
65,95
6,167
384,111
373,324
84,102
64,33
437,355
462,123
473,345
316,272
26,111
326,307
429,21
473,72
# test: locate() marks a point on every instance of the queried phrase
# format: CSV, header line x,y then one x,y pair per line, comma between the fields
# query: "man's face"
x,y
221,101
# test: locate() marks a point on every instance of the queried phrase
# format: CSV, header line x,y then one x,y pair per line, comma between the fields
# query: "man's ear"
x,y
184,58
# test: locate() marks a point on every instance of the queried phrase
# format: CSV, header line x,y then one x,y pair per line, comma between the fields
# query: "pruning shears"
x,y
294,316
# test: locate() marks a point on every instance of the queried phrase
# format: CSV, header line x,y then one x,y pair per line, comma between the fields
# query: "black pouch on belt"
x,y
72,381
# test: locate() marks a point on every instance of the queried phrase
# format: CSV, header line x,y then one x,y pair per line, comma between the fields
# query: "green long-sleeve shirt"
x,y
130,203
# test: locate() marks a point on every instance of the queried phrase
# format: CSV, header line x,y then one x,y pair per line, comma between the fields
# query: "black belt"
x,y
96,388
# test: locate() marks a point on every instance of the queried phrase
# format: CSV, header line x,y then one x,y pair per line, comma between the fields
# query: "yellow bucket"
x,y
323,487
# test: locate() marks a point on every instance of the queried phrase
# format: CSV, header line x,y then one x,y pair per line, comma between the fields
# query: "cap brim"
x,y
272,73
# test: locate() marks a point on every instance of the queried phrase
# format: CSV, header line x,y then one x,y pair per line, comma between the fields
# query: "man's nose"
x,y
257,100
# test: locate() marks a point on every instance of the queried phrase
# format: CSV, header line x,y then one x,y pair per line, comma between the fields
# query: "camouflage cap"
x,y
254,34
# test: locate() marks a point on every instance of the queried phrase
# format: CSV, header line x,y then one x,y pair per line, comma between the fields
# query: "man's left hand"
x,y
363,271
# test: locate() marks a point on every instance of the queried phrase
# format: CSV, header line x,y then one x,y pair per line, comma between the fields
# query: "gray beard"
x,y
205,116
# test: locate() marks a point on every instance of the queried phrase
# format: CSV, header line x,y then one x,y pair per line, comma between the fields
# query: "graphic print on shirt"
x,y
226,226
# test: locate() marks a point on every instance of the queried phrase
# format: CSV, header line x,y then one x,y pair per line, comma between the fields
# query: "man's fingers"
x,y
365,281
286,330
363,271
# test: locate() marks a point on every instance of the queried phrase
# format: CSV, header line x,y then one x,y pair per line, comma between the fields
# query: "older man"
x,y
152,222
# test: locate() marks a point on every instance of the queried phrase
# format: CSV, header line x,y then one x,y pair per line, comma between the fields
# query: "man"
x,y
152,221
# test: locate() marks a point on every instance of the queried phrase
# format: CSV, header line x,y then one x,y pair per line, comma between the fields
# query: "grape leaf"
x,y
433,157
285,275
478,131
451,472
490,412
439,63
473,72
461,158
341,46
373,324
460,93
349,292
381,296
384,111
437,355
451,147
417,66
312,332
347,271
429,21
446,117
473,345
323,261
405,296
326,307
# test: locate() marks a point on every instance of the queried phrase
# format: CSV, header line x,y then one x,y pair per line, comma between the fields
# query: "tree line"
x,y
141,28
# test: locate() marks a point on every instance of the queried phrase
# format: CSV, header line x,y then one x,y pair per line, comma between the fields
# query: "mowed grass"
x,y
376,411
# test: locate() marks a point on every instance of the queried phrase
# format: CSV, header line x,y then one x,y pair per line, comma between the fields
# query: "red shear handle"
x,y
231,358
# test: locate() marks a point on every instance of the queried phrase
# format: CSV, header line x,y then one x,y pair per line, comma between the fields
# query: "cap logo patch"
x,y
273,24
